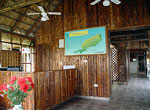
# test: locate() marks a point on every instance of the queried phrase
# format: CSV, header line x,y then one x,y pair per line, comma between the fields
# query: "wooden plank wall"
x,y
54,87
95,71
10,58
29,100
51,88
79,14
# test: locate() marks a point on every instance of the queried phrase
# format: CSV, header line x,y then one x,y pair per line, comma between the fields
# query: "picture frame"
x,y
89,41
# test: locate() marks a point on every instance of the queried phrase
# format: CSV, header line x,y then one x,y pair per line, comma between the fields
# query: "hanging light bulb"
x,y
106,3
43,18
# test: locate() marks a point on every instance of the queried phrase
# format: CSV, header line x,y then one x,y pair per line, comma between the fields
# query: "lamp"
x,y
43,18
106,3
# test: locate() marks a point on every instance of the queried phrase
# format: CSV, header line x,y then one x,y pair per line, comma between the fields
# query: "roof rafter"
x,y
2,3
53,3
19,5
12,33
19,19
15,19
29,8
24,15
10,27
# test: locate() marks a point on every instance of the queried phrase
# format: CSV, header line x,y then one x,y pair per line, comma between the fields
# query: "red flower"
x,y
5,87
29,79
12,88
13,79
31,85
24,87
1,88
21,81
11,82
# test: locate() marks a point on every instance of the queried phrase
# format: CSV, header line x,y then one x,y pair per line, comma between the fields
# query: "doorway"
x,y
138,62
130,40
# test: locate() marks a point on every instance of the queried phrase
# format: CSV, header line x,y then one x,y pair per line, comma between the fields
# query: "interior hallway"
x,y
134,96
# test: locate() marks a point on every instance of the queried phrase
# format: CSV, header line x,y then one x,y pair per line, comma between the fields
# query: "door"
x,y
141,64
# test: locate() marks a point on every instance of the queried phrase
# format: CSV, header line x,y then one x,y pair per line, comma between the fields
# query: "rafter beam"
x,y
2,3
15,19
19,5
130,35
130,40
12,33
53,3
29,8
24,15
20,18
9,28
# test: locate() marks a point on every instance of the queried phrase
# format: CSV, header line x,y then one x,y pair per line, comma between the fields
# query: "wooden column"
x,y
149,39
0,41
149,42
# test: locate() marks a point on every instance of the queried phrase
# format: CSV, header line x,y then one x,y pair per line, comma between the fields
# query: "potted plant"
x,y
17,90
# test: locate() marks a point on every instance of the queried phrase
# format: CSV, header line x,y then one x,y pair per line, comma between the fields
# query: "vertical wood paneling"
x,y
54,87
78,15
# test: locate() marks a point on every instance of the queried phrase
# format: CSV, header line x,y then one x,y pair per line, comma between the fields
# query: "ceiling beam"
x,y
24,15
19,5
19,19
131,29
2,3
129,35
9,28
39,18
12,33
29,8
15,19
130,40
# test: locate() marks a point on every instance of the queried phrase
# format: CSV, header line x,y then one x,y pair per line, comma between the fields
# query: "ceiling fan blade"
x,y
42,9
116,1
95,2
33,13
54,13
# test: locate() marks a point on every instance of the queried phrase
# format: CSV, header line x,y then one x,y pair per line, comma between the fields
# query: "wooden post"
x,y
0,41
149,42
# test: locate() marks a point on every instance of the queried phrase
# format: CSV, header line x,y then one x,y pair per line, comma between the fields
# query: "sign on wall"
x,y
86,41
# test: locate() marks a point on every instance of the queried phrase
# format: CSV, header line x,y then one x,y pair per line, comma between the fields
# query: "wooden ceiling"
x,y
131,38
14,18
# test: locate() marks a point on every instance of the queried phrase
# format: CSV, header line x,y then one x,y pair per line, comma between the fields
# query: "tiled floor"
x,y
134,96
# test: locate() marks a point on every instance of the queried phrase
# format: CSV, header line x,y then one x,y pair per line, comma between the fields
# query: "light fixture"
x,y
43,18
106,3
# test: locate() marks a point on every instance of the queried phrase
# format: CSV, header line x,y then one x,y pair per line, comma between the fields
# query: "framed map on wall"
x,y
86,41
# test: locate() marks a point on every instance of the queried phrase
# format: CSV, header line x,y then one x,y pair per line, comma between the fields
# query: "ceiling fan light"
x,y
106,3
43,18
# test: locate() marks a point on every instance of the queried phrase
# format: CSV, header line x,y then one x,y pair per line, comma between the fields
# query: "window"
x,y
17,43
16,40
6,46
5,37
16,47
26,41
27,59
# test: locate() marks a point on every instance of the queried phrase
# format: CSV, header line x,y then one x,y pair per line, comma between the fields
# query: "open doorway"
x,y
138,64
131,45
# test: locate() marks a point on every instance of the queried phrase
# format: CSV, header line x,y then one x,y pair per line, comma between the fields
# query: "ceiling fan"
x,y
44,14
106,2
